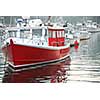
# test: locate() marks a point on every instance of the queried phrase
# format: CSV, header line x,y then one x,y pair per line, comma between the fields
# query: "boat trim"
x,y
37,66
40,46
46,47
39,63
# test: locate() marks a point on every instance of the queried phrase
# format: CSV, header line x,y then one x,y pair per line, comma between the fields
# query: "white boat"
x,y
73,38
93,30
92,27
84,35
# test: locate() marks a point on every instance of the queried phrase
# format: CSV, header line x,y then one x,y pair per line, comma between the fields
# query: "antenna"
x,y
48,20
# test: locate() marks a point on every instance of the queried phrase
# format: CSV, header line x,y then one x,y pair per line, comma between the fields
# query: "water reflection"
x,y
51,73
85,61
88,52
76,47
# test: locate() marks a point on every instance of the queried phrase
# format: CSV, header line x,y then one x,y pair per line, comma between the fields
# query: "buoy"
x,y
76,42
76,45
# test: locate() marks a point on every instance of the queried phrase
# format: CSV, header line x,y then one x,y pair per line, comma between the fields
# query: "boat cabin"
x,y
40,35
56,37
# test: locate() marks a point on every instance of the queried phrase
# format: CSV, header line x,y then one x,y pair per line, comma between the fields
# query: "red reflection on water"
x,y
76,47
51,73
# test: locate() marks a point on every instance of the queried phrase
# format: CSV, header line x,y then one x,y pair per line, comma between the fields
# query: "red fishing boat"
x,y
31,42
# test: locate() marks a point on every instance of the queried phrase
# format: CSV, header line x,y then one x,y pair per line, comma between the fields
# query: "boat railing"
x,y
25,38
7,35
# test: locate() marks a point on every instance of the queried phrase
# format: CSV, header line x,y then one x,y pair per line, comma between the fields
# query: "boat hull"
x,y
74,42
21,55
84,37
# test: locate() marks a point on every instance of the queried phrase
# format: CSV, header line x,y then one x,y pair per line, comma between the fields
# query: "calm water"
x,y
83,65
85,60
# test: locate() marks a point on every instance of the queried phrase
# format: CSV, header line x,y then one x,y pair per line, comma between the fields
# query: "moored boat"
x,y
31,43
84,35
73,37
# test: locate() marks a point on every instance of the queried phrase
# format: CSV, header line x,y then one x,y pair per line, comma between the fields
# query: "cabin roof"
x,y
22,28
56,28
52,28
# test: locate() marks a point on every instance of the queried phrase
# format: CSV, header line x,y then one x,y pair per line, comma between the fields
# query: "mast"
x,y
10,21
48,20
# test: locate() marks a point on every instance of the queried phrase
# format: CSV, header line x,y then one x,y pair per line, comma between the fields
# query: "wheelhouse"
x,y
56,37
42,35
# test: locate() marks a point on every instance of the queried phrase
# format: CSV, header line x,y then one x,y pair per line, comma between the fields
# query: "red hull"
x,y
20,55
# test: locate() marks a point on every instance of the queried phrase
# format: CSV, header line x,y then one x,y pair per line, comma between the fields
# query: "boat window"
x,y
25,30
58,35
54,34
37,32
24,33
46,32
63,34
50,34
12,33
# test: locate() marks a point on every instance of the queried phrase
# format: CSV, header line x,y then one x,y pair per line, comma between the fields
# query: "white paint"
x,y
34,43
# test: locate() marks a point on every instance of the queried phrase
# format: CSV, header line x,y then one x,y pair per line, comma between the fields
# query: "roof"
x,y
56,27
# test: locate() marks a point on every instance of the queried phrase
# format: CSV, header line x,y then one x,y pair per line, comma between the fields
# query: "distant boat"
x,y
92,27
31,43
93,30
73,37
84,35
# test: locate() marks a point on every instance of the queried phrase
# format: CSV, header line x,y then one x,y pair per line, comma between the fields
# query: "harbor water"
x,y
83,65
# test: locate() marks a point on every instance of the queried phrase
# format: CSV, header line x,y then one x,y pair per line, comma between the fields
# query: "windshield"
x,y
37,32
12,33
